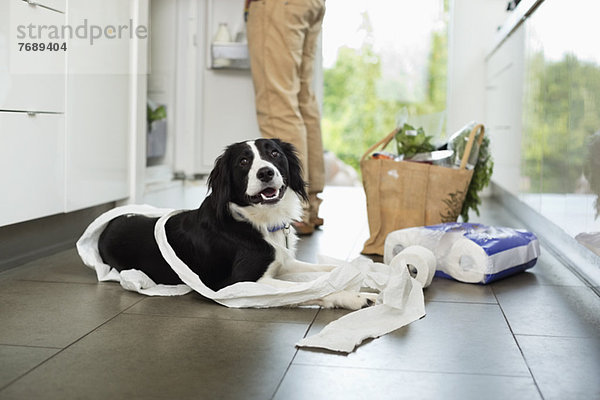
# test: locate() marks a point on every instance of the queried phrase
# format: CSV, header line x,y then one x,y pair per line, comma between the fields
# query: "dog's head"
x,y
256,173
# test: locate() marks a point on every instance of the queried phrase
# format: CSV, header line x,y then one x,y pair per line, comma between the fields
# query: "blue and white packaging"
x,y
472,253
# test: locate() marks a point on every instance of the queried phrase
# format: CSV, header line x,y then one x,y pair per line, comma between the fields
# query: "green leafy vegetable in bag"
x,y
410,141
482,174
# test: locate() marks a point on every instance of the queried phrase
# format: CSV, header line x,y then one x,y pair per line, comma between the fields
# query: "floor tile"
x,y
142,356
550,310
194,305
327,243
491,212
65,266
345,214
453,338
547,271
318,382
359,243
308,248
56,314
449,290
17,360
564,368
550,271
330,245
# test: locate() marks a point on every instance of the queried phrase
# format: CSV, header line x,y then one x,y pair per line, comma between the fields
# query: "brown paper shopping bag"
x,y
403,194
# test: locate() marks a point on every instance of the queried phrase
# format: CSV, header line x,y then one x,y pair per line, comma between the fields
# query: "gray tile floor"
x,y
63,335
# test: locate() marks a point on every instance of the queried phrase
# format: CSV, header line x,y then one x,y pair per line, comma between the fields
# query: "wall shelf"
x,y
229,55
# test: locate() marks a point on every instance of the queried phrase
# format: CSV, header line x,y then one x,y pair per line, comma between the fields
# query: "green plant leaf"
x,y
410,141
482,174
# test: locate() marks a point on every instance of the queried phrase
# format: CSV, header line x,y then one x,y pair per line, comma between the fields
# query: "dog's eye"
x,y
274,154
244,161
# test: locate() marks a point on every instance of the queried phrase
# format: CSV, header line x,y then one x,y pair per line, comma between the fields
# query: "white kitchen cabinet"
x,y
32,159
97,140
65,122
505,73
98,108
30,80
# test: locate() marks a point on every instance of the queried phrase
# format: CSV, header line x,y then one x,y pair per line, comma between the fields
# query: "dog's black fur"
x,y
220,248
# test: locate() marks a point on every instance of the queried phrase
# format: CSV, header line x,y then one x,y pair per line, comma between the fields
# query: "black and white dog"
x,y
241,232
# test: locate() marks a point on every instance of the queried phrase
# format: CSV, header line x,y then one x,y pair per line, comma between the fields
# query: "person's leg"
x,y
275,49
276,38
311,115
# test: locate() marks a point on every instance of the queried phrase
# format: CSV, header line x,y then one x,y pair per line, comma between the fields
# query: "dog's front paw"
x,y
348,300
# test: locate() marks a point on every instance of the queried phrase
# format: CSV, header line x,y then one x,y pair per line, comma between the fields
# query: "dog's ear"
x,y
296,182
220,185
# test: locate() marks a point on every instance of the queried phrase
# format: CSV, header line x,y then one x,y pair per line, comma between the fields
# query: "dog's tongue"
x,y
269,192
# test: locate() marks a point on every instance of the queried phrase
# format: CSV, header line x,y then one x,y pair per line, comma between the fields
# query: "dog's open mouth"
x,y
267,196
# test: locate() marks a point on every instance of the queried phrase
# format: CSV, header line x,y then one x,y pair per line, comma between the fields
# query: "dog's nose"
x,y
265,174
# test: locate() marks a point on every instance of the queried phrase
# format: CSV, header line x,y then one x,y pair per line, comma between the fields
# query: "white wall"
x,y
472,27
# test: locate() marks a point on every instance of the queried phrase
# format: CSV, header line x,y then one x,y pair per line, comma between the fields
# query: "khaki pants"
x,y
282,39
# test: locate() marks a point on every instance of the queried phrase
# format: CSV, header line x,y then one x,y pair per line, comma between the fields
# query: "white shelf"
x,y
230,50
235,54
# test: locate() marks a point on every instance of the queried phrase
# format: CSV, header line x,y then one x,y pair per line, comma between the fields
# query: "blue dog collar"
x,y
286,232
272,229
278,227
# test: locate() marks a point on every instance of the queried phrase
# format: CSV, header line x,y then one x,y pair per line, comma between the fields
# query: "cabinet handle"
x,y
32,2
31,113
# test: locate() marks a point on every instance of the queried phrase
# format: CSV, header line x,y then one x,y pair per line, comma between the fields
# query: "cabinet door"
x,y
31,79
504,105
97,140
98,108
31,166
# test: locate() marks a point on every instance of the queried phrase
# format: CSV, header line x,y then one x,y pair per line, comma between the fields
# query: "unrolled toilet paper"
x,y
399,301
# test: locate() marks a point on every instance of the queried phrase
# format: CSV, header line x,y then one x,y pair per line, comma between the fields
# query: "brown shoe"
x,y
303,228
317,222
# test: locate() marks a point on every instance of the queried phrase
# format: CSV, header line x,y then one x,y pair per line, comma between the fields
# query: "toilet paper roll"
x,y
401,239
466,262
420,259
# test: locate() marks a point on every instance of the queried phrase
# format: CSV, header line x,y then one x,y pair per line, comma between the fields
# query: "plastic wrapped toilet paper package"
x,y
472,253
399,296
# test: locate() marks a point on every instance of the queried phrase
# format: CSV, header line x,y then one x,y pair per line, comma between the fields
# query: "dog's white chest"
x,y
284,243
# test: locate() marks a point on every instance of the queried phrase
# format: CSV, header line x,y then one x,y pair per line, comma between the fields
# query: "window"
x,y
381,58
560,171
